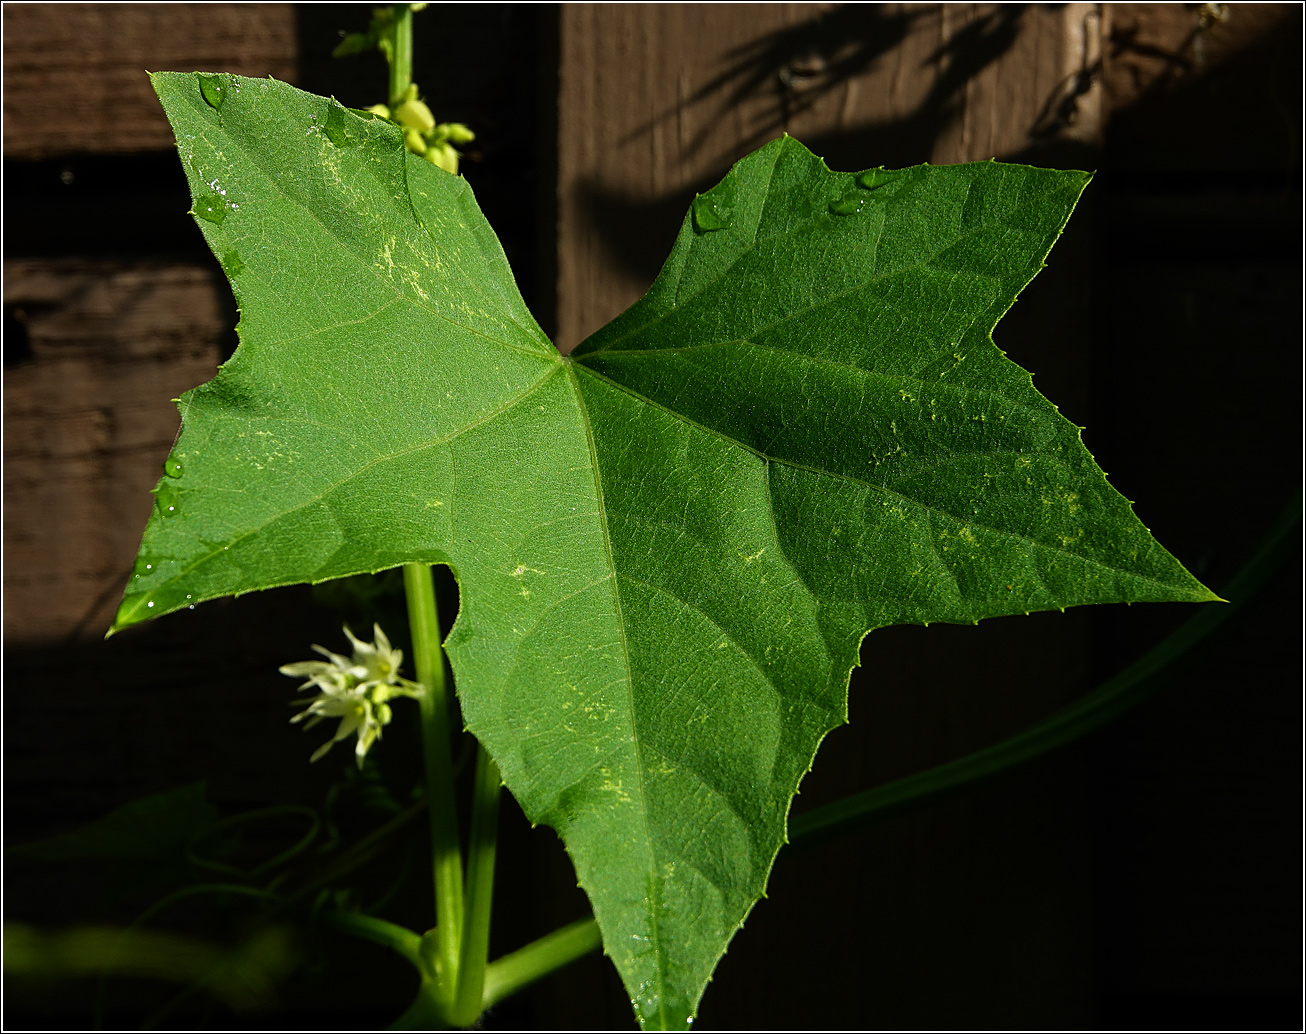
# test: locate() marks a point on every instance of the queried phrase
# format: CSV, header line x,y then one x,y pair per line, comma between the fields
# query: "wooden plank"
x,y
1153,48
75,77
87,425
1019,77
656,101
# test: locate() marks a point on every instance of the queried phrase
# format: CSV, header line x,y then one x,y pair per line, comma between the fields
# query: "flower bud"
x,y
443,156
457,133
414,142
414,114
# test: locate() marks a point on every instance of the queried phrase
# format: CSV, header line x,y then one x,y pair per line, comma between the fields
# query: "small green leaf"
x,y
670,545
354,43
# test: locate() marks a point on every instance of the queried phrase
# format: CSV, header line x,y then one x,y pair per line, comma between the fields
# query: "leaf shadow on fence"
x,y
790,71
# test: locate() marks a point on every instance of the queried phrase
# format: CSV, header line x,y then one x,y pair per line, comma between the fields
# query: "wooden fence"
x,y
1172,306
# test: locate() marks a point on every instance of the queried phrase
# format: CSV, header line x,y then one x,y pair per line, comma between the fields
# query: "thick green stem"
x,y
508,975
446,859
424,1013
480,891
401,61
379,931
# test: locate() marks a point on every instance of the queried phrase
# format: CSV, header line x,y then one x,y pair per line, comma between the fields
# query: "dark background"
x,y
1147,877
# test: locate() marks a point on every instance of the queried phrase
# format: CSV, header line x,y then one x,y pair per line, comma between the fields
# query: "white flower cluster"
x,y
354,689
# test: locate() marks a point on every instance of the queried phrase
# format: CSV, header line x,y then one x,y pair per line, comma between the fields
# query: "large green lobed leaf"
x,y
670,545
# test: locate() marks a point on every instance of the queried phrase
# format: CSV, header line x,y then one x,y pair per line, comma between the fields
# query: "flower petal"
x,y
301,668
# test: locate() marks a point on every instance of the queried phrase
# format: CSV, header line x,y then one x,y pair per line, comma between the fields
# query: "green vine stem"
x,y
423,1013
314,827
480,891
446,858
508,975
390,935
401,58
359,854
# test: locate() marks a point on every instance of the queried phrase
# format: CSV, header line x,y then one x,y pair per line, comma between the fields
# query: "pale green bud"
x,y
457,133
414,114
443,156
414,142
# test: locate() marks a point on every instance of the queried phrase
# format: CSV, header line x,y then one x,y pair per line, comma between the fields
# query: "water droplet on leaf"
x,y
144,565
129,605
850,205
708,214
232,263
211,208
167,499
872,178
172,467
336,123
714,209
212,88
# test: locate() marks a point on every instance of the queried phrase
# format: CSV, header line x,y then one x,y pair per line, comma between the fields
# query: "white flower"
x,y
354,689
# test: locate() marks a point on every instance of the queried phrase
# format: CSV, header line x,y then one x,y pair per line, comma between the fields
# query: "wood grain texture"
x,y
75,74
1155,48
656,102
87,423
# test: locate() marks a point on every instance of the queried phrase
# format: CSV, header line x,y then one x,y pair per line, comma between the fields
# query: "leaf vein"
x,y
625,647
509,404
795,465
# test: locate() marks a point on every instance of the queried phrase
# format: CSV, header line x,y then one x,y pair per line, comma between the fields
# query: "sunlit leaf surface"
x,y
670,545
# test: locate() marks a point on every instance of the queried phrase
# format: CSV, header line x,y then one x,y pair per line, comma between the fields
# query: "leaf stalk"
x,y
379,931
508,975
480,891
446,857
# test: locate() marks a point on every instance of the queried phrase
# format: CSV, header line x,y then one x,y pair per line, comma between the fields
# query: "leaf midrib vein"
x,y
625,651
949,387
793,464
677,307
479,422
828,299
